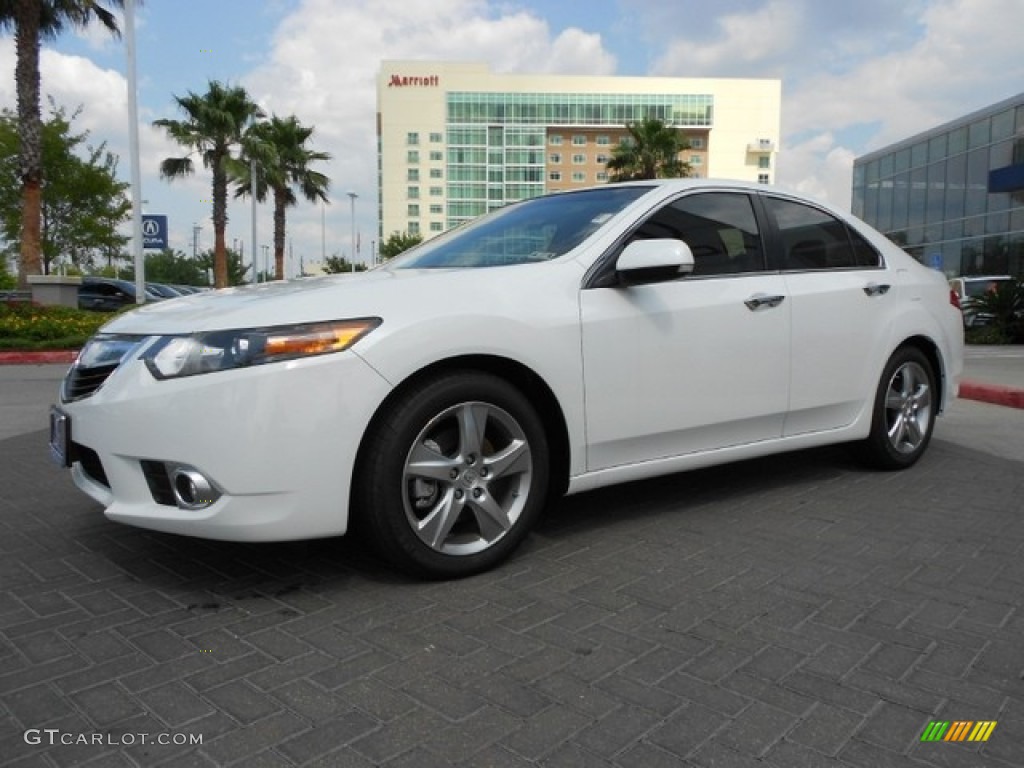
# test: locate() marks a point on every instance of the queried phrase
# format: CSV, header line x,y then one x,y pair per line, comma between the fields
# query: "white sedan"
x,y
567,342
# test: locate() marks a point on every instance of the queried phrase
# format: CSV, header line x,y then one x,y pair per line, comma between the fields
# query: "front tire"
x,y
453,475
904,411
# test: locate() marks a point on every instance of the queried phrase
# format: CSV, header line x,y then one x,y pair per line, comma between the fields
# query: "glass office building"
x,y
456,140
952,196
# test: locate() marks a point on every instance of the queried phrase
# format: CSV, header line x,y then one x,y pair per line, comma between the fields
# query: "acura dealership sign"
x,y
154,231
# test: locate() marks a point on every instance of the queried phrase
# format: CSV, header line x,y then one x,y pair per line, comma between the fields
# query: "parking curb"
x,y
1011,397
38,358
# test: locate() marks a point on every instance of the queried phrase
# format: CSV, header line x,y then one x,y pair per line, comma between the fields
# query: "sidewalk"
x,y
992,374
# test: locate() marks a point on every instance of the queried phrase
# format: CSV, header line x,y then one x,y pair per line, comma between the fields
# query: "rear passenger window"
x,y
719,227
813,239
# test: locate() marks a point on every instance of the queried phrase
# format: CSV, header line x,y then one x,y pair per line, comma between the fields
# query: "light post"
x,y
266,258
352,196
196,229
323,231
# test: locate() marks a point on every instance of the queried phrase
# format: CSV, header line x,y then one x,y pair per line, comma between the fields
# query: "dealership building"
x,y
456,140
952,196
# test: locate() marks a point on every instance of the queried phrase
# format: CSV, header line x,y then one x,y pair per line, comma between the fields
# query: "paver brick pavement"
x,y
794,611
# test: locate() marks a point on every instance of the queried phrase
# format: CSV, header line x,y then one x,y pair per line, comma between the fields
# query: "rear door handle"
x,y
876,289
761,301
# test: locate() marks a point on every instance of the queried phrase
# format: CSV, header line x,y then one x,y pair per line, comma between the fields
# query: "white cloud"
x,y
325,59
745,41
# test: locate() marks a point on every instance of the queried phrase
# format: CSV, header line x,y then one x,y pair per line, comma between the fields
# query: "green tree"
x,y
1004,303
283,159
398,242
335,265
650,151
83,203
233,262
32,21
174,268
214,129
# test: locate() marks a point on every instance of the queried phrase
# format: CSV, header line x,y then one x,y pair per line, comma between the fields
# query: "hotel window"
x,y
436,226
579,140
555,176
413,210
555,140
437,192
436,157
413,193
412,139
696,143
436,209
555,158
414,227
436,173
601,159
412,156
412,174
762,178
696,160
764,162
604,141
578,176
579,159
601,176
436,138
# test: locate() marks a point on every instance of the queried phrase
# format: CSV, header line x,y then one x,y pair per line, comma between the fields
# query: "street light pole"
x,y
133,143
352,196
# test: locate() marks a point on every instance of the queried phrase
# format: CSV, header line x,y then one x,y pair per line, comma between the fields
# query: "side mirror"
x,y
653,261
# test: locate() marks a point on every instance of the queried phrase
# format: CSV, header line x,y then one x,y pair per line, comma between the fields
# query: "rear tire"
x,y
904,411
452,477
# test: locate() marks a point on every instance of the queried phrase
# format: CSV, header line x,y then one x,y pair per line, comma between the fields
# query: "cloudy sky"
x,y
855,76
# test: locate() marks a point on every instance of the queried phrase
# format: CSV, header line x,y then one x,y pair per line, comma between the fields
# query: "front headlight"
x,y
175,356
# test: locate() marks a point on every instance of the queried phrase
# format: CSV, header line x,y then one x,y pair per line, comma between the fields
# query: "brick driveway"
x,y
796,611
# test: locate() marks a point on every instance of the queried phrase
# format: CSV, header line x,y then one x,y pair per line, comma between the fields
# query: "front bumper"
x,y
279,442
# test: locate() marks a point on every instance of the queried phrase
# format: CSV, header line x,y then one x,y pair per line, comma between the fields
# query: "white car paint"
x,y
648,379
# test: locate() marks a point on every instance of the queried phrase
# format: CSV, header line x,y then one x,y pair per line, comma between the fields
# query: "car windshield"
x,y
538,229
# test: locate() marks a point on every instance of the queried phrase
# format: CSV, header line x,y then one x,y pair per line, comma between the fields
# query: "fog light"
x,y
192,489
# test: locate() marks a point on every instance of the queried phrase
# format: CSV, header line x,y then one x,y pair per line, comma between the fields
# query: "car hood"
x,y
378,293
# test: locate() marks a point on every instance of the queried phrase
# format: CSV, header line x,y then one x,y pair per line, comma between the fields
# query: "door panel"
x,y
684,366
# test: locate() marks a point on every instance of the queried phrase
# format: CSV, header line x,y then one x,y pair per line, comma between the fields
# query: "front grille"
x,y
91,464
82,382
159,482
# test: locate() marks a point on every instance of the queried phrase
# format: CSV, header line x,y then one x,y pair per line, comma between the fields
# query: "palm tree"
x,y
282,162
32,21
650,151
215,125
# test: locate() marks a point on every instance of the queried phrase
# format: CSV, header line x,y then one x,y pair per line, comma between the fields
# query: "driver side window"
x,y
720,228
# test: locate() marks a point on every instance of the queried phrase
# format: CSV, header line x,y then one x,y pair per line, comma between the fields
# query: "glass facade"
x,y
497,140
952,197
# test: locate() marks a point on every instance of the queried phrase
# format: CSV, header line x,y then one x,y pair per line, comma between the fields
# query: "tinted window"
x,y
719,227
813,239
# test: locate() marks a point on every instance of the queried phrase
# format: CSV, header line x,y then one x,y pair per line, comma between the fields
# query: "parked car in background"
x,y
107,294
559,344
164,291
971,287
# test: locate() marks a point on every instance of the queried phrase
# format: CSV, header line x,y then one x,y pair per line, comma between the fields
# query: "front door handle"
x,y
761,301
876,289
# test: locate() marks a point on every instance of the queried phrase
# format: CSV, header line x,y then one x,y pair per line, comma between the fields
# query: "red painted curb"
x,y
1012,397
38,358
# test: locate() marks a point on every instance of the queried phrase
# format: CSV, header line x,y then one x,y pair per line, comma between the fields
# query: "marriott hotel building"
x,y
456,140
